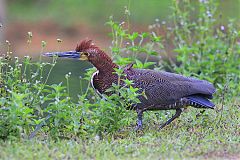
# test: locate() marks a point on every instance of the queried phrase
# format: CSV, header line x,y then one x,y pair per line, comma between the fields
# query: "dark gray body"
x,y
166,90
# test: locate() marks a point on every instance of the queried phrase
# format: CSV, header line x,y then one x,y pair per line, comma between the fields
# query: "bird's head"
x,y
86,50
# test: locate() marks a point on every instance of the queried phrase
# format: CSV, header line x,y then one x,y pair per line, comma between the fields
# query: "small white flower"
x,y
222,28
209,14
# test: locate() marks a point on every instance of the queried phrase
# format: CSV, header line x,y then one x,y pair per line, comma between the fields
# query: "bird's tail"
x,y
200,102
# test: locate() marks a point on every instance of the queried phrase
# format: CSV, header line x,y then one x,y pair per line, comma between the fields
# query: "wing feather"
x,y
164,87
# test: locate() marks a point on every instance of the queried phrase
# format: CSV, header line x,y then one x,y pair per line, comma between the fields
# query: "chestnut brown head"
x,y
86,50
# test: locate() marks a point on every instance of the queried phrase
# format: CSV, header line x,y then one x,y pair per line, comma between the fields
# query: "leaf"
x,y
133,36
139,64
147,64
153,53
144,35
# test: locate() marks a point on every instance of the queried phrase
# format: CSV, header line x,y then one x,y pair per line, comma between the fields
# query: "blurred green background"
x,y
74,20
96,12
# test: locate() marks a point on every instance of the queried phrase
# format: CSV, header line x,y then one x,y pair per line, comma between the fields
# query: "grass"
x,y
188,137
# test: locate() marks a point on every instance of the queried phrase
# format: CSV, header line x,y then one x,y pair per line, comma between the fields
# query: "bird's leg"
x,y
139,119
176,115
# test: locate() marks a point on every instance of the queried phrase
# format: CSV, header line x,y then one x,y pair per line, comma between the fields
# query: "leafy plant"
x,y
205,47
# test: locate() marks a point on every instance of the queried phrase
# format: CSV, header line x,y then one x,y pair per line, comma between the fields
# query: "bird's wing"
x,y
164,88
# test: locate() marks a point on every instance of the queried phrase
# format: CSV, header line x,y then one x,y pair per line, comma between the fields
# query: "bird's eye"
x,y
86,54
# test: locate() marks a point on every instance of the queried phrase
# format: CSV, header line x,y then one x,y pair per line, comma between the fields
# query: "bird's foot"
x,y
139,128
161,126
139,124
176,115
139,120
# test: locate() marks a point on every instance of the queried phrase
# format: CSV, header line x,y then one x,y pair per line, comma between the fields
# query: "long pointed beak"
x,y
68,54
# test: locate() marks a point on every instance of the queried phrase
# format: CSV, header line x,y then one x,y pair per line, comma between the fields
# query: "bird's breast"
x,y
93,79
102,81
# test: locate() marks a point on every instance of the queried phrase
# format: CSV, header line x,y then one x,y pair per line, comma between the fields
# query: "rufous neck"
x,y
105,66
